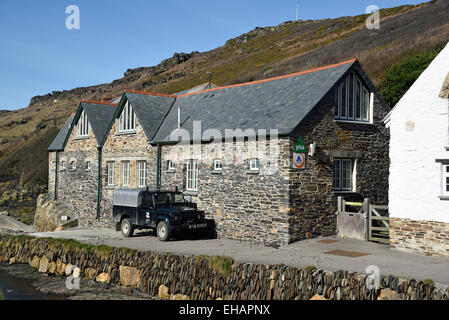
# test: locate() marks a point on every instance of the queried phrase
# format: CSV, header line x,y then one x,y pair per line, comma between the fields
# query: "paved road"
x,y
299,254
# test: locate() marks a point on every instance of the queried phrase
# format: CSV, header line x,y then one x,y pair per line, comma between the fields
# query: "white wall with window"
x,y
125,174
445,181
344,175
83,126
419,134
127,119
142,173
192,176
110,173
353,100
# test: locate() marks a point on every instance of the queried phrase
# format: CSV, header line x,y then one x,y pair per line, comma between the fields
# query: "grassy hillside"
x,y
406,31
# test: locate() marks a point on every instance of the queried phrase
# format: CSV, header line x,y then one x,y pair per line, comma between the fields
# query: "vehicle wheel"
x,y
127,228
162,231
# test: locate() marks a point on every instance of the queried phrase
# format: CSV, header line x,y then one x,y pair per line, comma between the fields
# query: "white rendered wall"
x,y
419,135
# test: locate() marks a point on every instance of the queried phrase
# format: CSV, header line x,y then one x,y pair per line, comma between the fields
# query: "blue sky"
x,y
39,55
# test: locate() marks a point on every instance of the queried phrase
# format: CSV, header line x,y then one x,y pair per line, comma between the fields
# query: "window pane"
x,y
346,175
351,97
343,100
337,173
358,103
366,105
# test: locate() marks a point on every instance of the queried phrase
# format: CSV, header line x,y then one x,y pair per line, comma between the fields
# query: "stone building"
x,y
265,159
419,171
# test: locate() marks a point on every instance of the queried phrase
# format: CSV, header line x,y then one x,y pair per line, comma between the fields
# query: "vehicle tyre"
x,y
127,228
162,231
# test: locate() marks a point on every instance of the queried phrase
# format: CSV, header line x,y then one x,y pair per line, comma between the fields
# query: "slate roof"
x,y
279,103
99,116
58,142
150,109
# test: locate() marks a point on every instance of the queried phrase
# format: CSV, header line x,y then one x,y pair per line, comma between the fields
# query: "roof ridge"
x,y
152,94
273,78
98,102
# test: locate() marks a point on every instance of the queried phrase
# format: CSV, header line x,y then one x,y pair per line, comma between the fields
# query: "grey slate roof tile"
x,y
99,117
58,142
277,104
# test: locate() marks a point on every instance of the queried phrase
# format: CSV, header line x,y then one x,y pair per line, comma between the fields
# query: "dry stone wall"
x,y
204,278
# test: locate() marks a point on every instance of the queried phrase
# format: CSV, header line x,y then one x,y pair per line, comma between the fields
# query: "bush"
x,y
401,76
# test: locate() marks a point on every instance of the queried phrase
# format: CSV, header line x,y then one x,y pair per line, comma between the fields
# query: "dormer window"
x,y
353,100
127,120
83,126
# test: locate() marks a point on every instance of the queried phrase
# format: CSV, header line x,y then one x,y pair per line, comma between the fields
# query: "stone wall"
x,y
425,237
245,205
314,202
119,147
202,278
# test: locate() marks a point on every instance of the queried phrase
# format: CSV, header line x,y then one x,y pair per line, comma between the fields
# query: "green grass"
x,y
221,264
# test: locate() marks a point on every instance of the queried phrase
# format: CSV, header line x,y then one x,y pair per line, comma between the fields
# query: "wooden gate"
x,y
363,221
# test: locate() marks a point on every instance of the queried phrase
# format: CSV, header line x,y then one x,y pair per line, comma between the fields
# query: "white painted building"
x,y
419,169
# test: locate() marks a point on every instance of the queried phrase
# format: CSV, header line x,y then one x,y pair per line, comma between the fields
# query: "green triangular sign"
x,y
300,147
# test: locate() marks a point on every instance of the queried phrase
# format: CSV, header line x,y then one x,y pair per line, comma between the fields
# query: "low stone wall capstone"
x,y
202,278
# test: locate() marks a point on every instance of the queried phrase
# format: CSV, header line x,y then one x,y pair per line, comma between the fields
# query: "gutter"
x,y
99,149
56,176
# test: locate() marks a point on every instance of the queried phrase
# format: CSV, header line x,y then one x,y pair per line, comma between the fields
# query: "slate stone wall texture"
x,y
424,237
77,185
313,202
203,278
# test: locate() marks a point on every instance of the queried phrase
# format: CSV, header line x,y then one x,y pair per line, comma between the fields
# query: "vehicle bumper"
x,y
195,226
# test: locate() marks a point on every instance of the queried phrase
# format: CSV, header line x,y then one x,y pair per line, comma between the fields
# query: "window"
x,y
192,176
254,165
125,173
445,182
73,165
127,120
142,173
218,165
88,166
63,165
110,174
83,126
343,175
352,100
171,165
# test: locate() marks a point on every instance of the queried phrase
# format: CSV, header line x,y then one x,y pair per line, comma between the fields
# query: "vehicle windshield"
x,y
169,198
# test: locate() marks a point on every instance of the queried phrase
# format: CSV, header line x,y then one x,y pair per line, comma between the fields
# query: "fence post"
x,y
339,205
368,218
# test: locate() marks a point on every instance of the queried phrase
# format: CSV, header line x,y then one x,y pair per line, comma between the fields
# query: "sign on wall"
x,y
299,160
299,155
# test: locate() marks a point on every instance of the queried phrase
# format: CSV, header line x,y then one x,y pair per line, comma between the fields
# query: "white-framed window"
x,y
343,175
125,173
171,165
142,173
127,120
83,126
353,100
254,165
218,165
192,176
110,173
445,180
88,166
63,165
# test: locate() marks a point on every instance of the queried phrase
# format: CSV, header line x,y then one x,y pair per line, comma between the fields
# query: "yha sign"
x,y
299,155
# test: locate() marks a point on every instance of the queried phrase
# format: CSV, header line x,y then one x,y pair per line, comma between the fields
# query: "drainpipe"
x,y
56,175
158,168
99,182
